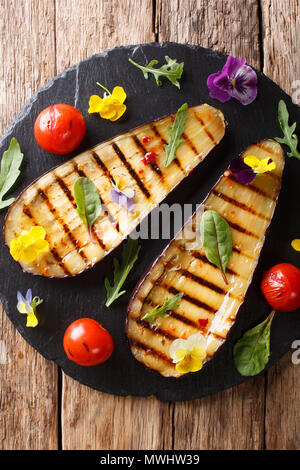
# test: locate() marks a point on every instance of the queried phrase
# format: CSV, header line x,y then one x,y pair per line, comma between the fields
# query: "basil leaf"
x,y
129,256
175,132
216,240
88,202
252,351
171,70
290,139
162,311
10,171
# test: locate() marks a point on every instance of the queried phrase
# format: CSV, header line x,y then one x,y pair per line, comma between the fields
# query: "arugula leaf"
x,y
216,240
88,202
252,351
10,171
129,256
171,70
290,139
175,132
162,310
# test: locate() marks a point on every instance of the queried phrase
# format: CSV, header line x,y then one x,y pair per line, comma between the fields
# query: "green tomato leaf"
x,y
171,70
175,132
88,202
216,240
162,310
129,256
252,351
289,138
10,170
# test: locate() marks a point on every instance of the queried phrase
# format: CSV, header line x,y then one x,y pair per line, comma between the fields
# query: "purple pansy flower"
x,y
244,173
120,198
235,80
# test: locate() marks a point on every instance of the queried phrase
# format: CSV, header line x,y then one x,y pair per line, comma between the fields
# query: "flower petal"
x,y
119,112
95,104
119,94
15,249
244,87
195,340
40,246
233,65
176,345
215,91
37,232
189,364
28,255
21,307
252,161
32,320
296,244
120,198
29,296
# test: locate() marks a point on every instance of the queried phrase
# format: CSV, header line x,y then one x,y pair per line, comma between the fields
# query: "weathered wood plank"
x,y
28,391
281,40
92,420
233,419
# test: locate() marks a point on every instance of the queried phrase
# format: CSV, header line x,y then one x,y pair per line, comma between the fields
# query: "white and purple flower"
x,y
235,80
122,194
27,305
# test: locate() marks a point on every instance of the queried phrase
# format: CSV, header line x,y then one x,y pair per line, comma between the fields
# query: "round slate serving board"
x,y
84,296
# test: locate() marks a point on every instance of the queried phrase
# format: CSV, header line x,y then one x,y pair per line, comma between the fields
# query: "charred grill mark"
x,y
154,167
67,231
155,330
53,251
190,299
207,132
130,170
103,167
253,188
241,229
157,133
238,204
177,316
65,189
106,212
190,143
202,282
151,351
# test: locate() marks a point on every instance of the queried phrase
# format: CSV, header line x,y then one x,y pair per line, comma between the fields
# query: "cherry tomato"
x,y
59,129
87,343
281,287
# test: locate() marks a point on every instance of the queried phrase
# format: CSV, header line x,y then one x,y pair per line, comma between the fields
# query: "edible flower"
x,y
247,168
235,80
188,354
296,244
28,245
28,306
111,106
122,194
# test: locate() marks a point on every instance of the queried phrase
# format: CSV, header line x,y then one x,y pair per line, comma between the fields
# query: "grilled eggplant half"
x,y
208,304
50,202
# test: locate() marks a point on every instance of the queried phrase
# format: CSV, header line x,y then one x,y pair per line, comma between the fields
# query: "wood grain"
x,y
28,392
281,42
233,419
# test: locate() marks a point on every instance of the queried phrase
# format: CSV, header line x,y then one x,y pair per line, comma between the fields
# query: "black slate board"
x,y
84,296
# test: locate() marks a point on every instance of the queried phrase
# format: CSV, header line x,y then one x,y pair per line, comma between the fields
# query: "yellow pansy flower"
x,y
260,166
188,354
27,305
111,106
28,245
296,244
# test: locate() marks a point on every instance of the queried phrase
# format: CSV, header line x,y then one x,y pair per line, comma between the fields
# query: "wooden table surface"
x,y
40,407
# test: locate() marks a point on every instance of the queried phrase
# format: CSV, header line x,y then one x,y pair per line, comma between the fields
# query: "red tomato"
x,y
87,343
281,287
59,129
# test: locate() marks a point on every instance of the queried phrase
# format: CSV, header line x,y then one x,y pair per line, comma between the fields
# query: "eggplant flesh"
x,y
208,305
50,200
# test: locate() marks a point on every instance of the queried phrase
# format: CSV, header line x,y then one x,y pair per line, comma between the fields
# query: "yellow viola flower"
x,y
28,245
296,244
189,354
111,106
27,305
260,166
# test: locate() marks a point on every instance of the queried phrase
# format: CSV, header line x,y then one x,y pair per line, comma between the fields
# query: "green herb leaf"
x,y
171,70
129,256
175,132
10,171
216,240
251,353
88,202
290,139
162,310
